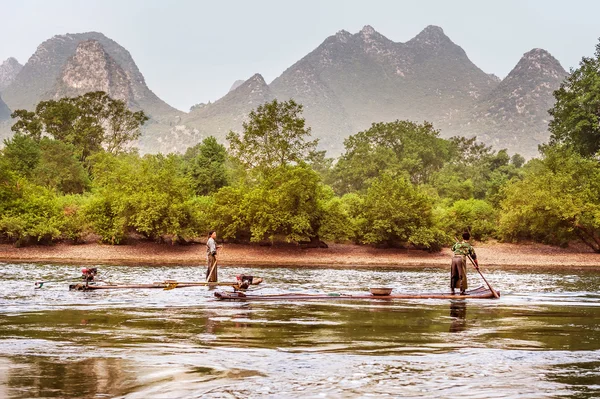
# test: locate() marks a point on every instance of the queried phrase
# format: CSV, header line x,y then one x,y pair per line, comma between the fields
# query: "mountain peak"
x,y
367,30
432,35
9,70
539,62
11,61
433,30
258,78
538,54
45,68
343,35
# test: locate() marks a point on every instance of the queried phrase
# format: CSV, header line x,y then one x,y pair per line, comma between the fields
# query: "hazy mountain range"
x,y
345,84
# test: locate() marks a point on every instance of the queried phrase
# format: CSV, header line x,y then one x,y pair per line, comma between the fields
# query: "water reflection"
x,y
544,340
30,377
458,314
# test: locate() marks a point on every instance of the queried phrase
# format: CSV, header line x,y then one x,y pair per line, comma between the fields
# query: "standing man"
x,y
458,270
211,256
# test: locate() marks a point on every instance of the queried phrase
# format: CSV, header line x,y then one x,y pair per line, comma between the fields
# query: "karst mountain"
x,y
345,84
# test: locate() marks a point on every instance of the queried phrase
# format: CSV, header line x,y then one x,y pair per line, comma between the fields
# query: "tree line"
x,y
70,170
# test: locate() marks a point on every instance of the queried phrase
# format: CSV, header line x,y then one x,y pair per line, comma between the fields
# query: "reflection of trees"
x,y
458,313
33,377
347,324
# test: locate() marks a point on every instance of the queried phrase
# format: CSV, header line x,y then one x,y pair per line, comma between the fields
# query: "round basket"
x,y
381,291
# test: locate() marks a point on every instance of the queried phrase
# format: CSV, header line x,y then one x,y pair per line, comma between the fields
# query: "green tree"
x,y
557,201
290,203
285,204
396,148
336,221
395,211
474,170
576,112
275,135
21,154
227,214
204,164
31,213
476,216
148,195
59,169
91,122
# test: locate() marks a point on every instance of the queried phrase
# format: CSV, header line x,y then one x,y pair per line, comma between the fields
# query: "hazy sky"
x,y
192,51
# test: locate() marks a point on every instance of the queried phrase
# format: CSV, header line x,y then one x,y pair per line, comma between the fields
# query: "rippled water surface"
x,y
541,339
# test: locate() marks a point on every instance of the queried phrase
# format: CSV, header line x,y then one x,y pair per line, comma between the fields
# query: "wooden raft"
x,y
479,293
167,284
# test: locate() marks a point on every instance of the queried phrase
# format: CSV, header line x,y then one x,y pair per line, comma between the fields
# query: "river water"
x,y
541,339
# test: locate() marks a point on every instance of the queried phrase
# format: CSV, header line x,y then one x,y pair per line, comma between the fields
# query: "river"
x,y
541,339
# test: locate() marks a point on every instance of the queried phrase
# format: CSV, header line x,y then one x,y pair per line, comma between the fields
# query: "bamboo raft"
x,y
479,293
166,285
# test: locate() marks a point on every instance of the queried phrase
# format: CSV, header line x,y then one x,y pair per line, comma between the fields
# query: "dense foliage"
x,y
558,201
68,171
576,112
91,122
274,135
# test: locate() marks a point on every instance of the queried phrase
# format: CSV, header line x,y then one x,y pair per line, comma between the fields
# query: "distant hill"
x,y
366,78
72,64
218,118
353,80
229,112
515,114
345,84
9,70
45,67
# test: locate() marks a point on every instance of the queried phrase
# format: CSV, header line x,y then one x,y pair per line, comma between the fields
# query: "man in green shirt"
x,y
458,270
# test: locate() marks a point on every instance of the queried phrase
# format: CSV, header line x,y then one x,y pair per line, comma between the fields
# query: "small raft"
x,y
168,284
479,293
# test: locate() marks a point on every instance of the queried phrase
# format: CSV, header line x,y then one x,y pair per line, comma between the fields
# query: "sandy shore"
x,y
490,254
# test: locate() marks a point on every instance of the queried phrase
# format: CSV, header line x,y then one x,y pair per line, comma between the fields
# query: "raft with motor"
x,y
479,293
90,284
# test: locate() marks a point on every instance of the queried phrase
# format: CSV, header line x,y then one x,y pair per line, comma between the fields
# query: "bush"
x,y
476,216
395,211
34,215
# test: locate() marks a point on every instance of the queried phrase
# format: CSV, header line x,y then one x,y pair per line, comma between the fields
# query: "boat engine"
x,y
88,274
244,281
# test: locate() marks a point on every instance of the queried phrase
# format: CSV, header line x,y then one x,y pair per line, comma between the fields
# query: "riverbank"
x,y
491,254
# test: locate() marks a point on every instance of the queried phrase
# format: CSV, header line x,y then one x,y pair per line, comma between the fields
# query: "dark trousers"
x,y
212,265
458,273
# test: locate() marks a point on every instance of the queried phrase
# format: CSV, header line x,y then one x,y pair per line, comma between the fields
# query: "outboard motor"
x,y
244,281
88,274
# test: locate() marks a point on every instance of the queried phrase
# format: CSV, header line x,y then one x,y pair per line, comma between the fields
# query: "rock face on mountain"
x,y
515,114
9,70
45,68
91,68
